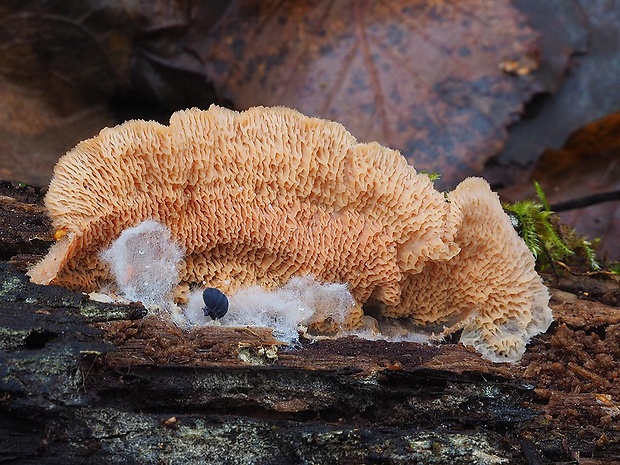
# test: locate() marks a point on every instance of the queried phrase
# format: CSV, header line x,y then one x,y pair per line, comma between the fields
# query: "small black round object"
x,y
216,303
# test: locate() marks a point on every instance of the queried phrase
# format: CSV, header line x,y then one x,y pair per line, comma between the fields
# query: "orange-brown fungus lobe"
x,y
260,196
59,234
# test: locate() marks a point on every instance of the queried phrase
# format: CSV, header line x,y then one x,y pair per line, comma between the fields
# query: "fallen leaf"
x,y
57,67
587,29
439,80
33,135
68,69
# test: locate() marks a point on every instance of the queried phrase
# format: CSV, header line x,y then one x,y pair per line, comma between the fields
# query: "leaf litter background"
x,y
461,88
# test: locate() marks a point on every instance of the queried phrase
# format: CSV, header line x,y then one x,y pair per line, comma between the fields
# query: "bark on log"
x,y
87,382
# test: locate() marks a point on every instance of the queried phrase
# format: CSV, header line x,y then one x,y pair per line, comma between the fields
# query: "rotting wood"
x,y
75,391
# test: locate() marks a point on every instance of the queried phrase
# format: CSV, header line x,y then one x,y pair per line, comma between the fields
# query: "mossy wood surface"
x,y
87,382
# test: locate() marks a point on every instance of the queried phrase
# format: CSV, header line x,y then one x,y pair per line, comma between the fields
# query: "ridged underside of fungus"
x,y
264,195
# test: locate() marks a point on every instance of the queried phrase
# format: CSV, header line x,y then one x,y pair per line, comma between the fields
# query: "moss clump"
x,y
432,175
549,241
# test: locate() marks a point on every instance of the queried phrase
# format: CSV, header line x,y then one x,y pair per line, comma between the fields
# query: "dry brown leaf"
x,y
67,69
439,80
587,30
33,135
58,66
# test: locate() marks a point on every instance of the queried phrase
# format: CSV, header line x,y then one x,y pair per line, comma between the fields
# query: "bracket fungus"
x,y
268,194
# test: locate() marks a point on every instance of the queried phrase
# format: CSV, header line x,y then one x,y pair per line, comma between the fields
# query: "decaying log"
x,y
89,382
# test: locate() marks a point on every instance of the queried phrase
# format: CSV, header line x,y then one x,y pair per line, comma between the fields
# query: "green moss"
x,y
433,175
548,241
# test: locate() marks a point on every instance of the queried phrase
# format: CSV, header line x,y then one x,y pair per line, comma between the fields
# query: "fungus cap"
x,y
268,194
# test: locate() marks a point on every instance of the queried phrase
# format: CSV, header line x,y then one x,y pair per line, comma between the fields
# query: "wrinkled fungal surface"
x,y
264,195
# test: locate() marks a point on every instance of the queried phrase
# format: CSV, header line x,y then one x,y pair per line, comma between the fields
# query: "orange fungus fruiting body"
x,y
264,195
